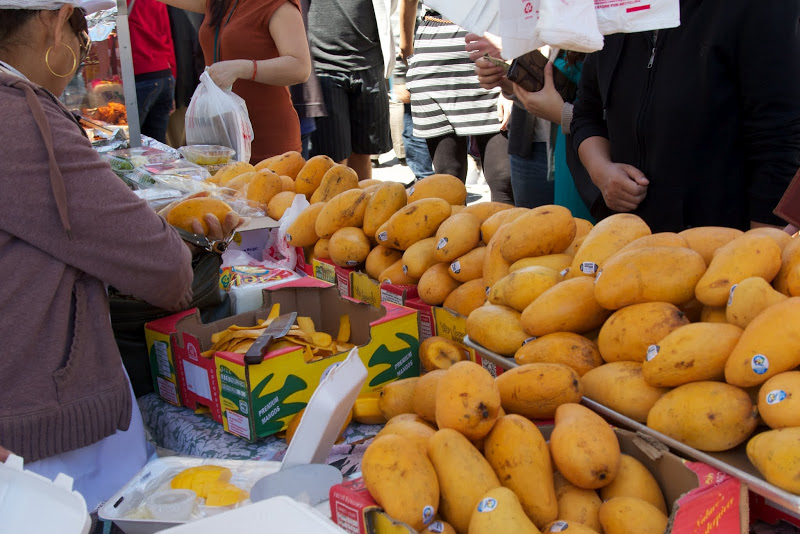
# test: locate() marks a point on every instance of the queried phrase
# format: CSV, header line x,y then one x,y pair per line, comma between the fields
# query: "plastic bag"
x,y
569,25
218,117
277,251
628,16
517,26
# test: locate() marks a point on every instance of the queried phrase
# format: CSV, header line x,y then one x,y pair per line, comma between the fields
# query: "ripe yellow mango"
x,y
441,186
464,299
745,256
195,209
661,239
776,455
539,232
436,284
397,397
467,400
387,199
629,515
469,266
621,386
438,527
767,347
425,394
628,333
688,354
401,479
519,288
781,238
415,221
709,416
288,164
417,433
713,314
337,179
301,232
577,505
500,511
634,480
464,476
566,348
497,328
790,261
419,257
345,209
230,171
456,236
321,249
494,266
278,204
262,187
287,184
584,447
348,247
749,298
366,411
381,258
490,226
605,239
556,262
394,275
403,417
650,274
705,240
516,450
536,390
310,176
437,353
484,210
569,306
779,400
574,527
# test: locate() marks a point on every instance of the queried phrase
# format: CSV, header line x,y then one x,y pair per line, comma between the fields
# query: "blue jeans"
x,y
417,155
156,98
529,178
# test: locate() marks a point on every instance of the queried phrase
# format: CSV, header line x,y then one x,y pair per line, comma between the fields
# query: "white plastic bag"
x,y
628,16
517,26
569,25
218,117
277,251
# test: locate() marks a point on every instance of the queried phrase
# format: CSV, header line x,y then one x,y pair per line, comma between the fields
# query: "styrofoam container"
x,y
278,514
33,503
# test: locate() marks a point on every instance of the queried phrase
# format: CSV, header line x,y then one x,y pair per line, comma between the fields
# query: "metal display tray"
x,y
733,462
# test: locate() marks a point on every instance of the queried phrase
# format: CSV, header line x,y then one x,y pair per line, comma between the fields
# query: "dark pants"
x,y
156,98
418,157
529,178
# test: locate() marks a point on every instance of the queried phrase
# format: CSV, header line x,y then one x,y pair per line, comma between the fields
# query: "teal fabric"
x,y
566,194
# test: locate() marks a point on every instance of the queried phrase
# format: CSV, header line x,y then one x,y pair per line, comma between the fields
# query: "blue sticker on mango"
x,y
759,364
487,505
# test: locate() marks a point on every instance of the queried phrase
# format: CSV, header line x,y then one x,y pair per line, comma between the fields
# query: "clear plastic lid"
x,y
207,154
182,176
172,504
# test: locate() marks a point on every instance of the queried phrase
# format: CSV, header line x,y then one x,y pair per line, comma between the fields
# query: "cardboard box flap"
x,y
652,448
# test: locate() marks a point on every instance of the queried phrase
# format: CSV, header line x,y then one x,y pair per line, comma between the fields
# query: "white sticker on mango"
x,y
436,526
759,364
441,244
652,352
559,526
455,267
775,396
405,269
730,295
428,514
589,267
383,236
487,505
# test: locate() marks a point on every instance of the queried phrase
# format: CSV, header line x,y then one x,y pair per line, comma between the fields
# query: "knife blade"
x,y
278,328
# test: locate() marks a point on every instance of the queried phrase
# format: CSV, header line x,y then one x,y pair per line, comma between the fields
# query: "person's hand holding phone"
x,y
546,103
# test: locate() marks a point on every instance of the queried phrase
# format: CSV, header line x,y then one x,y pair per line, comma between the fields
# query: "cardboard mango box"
x,y
700,498
427,324
366,289
453,326
327,271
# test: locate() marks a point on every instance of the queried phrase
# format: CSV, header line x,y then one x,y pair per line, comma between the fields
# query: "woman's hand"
x,y
623,186
546,103
504,106
219,230
478,46
225,73
491,76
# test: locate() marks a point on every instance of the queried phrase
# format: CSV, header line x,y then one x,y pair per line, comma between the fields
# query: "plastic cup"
x,y
175,505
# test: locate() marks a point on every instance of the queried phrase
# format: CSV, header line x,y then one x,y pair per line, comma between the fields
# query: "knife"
x,y
278,328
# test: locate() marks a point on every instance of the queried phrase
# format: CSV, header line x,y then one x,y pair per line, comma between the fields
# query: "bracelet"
x,y
255,70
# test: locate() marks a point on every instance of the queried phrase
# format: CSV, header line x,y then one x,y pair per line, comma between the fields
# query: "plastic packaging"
x,y
207,154
181,175
172,504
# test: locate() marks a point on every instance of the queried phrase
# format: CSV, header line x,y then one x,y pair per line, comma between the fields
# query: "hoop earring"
x,y
74,62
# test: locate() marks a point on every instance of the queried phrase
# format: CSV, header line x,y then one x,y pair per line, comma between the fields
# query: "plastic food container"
x,y
171,504
182,176
207,154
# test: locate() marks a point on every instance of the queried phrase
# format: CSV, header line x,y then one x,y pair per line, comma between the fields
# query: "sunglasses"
x,y
77,22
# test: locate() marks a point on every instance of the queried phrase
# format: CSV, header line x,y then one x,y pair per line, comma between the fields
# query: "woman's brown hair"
x,y
11,20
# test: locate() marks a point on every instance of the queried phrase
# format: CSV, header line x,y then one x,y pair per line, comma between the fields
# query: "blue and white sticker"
x,y
436,526
775,396
599,274
288,238
559,526
455,267
564,272
411,191
652,352
730,295
488,289
405,269
441,244
383,236
351,263
487,505
528,340
759,364
427,514
589,267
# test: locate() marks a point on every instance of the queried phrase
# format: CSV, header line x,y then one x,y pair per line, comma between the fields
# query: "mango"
x,y
539,232
650,274
387,199
310,176
569,306
621,386
288,164
394,275
408,417
301,232
629,515
469,266
629,332
779,400
438,527
348,247
439,353
519,288
456,236
776,455
557,262
467,400
278,204
337,179
415,221
687,355
439,186
605,239
381,258
265,163
749,298
464,299
239,183
195,209
767,347
425,394
781,238
436,284
497,328
417,433
745,256
345,209
790,260
494,266
634,480
401,479
464,476
419,257
499,510
321,249
517,452
230,171
484,210
287,184
366,410
661,239
262,187
584,447
536,390
490,226
709,416
577,505
705,240
573,350
574,527
397,397
713,314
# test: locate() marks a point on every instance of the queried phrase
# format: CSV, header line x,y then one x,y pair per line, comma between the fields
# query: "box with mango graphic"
x,y
255,401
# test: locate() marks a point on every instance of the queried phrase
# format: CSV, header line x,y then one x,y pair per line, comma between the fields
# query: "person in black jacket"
x,y
697,125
